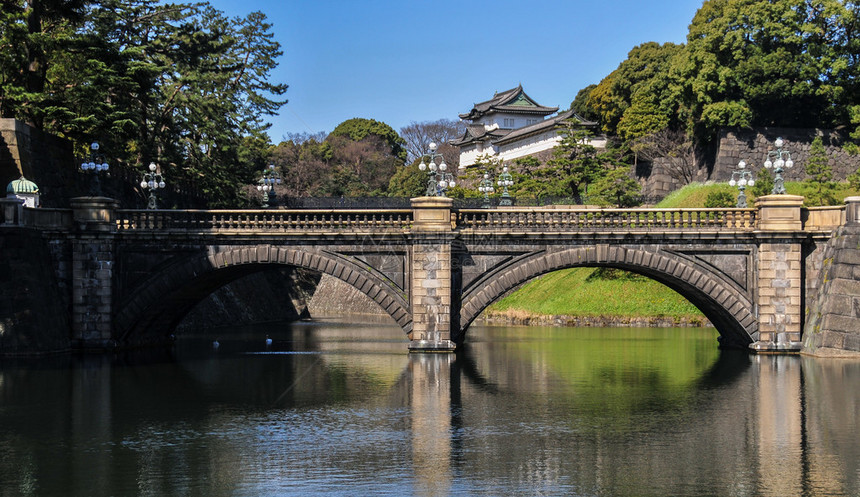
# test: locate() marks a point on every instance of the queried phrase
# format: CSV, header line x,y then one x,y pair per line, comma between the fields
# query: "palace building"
x,y
512,125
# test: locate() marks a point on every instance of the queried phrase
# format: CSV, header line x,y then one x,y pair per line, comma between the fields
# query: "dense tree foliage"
x,y
179,84
358,129
616,188
746,63
636,98
357,159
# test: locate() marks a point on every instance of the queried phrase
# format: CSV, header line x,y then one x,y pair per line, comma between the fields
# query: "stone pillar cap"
x,y
779,200
432,202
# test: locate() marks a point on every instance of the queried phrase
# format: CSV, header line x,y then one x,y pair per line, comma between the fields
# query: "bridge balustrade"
x,y
264,220
606,219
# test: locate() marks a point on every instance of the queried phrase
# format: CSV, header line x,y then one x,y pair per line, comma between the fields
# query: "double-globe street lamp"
x,y
267,183
742,178
781,160
153,180
505,180
438,179
486,187
95,164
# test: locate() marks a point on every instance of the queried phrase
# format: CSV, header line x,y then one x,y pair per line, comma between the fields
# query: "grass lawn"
x,y
576,292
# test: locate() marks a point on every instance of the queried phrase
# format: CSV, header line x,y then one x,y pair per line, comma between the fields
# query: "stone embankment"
x,y
334,297
833,323
275,295
590,321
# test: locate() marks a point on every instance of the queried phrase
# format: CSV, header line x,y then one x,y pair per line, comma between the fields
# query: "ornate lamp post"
x,y
782,160
439,179
742,178
505,180
486,187
267,184
152,181
94,164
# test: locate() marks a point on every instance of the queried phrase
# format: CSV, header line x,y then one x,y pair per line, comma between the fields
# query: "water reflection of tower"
x,y
431,422
780,431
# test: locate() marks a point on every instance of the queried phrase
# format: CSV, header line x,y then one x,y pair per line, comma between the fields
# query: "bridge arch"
x,y
167,296
729,309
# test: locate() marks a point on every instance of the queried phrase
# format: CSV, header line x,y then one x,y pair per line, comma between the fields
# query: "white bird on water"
x,y
268,341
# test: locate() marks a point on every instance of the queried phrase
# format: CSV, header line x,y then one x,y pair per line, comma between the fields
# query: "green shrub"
x,y
719,199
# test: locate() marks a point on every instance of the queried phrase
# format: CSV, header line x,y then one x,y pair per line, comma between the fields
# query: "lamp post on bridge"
x,y
94,164
267,183
153,180
438,179
782,159
486,187
505,180
742,178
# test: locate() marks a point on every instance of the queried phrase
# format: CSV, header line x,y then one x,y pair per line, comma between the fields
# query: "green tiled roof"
x,y
22,185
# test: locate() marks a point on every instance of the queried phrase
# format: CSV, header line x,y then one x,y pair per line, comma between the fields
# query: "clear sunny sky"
x,y
404,61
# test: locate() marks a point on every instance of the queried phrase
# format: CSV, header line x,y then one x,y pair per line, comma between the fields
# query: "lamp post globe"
x,y
742,178
778,160
152,181
93,164
438,177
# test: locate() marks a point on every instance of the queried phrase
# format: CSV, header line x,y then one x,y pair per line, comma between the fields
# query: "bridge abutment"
x,y
430,288
92,272
780,278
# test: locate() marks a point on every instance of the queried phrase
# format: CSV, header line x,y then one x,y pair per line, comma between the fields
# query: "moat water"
x,y
341,409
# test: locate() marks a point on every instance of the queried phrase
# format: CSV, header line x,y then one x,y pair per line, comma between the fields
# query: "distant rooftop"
x,y
513,101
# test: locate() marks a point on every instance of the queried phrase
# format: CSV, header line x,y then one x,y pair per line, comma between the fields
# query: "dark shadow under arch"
x,y
158,305
728,309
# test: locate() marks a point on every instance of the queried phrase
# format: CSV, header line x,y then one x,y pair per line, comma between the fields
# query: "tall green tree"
x,y
178,84
574,164
638,92
617,188
820,175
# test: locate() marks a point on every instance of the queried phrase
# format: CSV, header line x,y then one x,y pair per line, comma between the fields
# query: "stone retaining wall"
x,y
33,295
752,146
833,322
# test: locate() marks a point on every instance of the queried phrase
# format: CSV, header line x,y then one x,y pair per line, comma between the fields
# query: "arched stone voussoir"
x,y
165,295
727,308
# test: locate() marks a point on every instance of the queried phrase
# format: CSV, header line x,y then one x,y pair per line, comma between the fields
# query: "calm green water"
x,y
341,409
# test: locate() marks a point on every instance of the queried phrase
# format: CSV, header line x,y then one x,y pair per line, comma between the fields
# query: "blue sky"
x,y
404,61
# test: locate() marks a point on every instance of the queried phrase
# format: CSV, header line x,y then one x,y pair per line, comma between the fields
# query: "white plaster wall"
x,y
527,146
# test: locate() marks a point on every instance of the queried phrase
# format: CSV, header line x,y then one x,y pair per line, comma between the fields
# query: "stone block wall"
x,y
752,146
34,298
779,291
279,294
42,158
833,322
50,162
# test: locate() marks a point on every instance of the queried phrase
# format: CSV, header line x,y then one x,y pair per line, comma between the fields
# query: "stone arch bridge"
x,y
432,268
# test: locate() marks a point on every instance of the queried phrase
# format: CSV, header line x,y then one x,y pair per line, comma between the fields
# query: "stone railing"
x,y
823,218
48,218
606,219
264,220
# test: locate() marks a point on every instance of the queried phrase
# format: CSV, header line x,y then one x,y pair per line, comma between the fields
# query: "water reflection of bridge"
x,y
775,425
